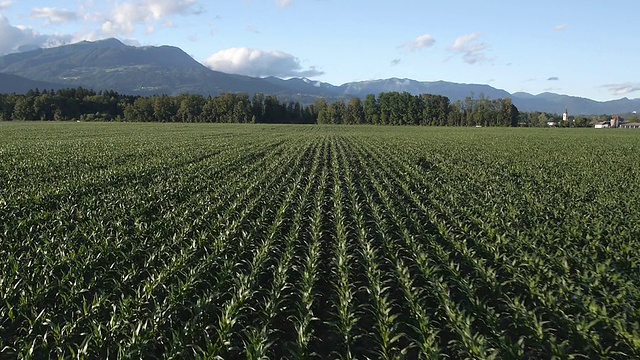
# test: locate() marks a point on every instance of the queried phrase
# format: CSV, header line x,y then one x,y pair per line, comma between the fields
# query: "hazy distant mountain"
x,y
305,86
453,91
554,103
305,90
111,65
545,102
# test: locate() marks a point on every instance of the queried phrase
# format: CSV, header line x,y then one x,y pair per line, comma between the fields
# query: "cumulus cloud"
x,y
422,41
560,27
553,78
54,16
127,16
17,38
622,88
284,3
5,4
471,50
252,62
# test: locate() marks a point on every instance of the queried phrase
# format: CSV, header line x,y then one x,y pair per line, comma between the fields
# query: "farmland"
x,y
253,241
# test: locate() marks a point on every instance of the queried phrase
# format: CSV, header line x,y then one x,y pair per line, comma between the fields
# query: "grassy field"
x,y
253,241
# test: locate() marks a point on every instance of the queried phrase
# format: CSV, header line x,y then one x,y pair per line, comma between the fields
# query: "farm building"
x,y
630,126
613,123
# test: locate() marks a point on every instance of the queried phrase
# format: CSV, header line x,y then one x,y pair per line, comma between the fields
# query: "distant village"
x,y
614,122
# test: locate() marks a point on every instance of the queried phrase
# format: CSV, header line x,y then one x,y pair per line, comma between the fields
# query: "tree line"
x,y
388,108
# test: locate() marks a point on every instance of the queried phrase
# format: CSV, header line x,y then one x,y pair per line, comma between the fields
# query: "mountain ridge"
x,y
110,64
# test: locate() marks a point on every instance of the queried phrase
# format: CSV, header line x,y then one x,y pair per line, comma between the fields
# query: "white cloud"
x,y
54,16
252,62
169,24
162,8
423,41
472,52
560,27
284,3
127,16
17,38
92,17
464,43
622,88
5,4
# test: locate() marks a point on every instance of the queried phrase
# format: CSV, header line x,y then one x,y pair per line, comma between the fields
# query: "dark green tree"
x,y
23,110
190,108
355,112
337,112
164,109
322,111
371,110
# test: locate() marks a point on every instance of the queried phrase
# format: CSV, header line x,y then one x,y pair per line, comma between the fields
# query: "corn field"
x,y
209,241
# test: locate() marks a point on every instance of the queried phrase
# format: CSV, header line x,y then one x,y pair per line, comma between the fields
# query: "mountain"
x,y
20,85
304,86
555,103
111,65
306,90
545,102
453,91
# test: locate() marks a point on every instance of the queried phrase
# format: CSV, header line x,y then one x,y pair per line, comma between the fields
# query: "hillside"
x,y
17,84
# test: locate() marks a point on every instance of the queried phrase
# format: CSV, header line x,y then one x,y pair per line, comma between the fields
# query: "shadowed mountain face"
x,y
111,65
20,85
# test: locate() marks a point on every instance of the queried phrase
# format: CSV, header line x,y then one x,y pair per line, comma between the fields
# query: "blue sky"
x,y
582,48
